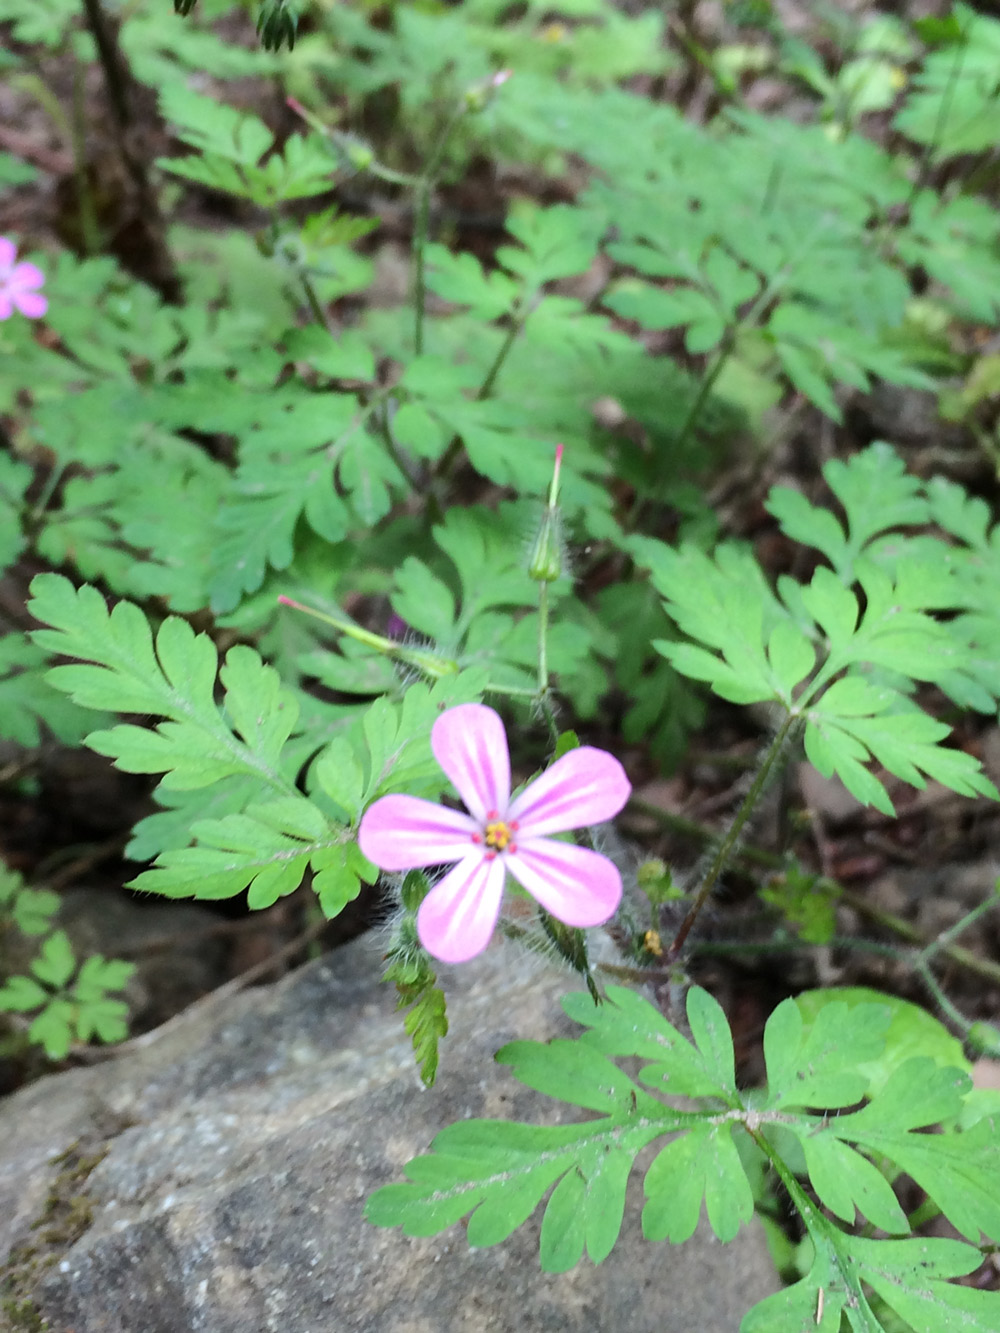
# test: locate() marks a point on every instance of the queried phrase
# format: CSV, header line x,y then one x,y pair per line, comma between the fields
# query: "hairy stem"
x,y
731,841
543,635
896,925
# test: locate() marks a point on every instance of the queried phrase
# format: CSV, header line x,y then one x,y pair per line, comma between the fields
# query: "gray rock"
x,y
244,1137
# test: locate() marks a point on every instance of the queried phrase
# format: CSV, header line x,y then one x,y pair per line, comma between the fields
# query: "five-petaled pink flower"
x,y
578,886
19,284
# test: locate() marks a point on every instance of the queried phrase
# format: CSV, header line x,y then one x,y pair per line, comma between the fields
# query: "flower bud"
x,y
545,564
480,95
652,872
546,560
426,661
360,156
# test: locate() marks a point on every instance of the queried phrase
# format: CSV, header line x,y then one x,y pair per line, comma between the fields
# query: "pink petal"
x,y
26,277
404,832
578,886
584,787
31,304
456,919
8,253
470,744
6,305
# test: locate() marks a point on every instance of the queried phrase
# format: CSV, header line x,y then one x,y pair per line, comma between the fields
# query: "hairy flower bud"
x,y
546,561
359,155
480,95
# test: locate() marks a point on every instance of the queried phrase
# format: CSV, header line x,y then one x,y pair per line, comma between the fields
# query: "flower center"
x,y
498,835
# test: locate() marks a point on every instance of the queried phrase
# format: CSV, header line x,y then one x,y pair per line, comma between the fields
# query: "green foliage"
x,y
805,901
499,1172
841,668
408,966
269,844
156,49
287,429
70,1002
45,22
471,599
912,1032
173,679
267,834
29,910
953,108
230,145
29,706
277,24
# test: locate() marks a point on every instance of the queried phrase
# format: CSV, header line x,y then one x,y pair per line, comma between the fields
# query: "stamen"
x,y
498,835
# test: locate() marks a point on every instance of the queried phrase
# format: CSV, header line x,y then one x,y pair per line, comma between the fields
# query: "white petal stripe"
x,y
404,832
586,786
574,884
470,744
456,919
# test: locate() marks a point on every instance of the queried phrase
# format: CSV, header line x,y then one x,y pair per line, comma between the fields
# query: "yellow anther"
x,y
498,835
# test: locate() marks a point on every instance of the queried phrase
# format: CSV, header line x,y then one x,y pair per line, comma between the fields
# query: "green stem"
x,y
955,953
317,310
543,635
944,111
421,222
965,958
543,696
723,354
692,829
769,948
952,933
48,490
385,430
923,971
519,317
90,229
731,840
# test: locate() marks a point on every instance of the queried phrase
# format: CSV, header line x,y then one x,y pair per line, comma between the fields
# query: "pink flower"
x,y
578,886
18,283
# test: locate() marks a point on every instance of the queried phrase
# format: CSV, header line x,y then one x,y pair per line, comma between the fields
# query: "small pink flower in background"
x,y
19,284
575,885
